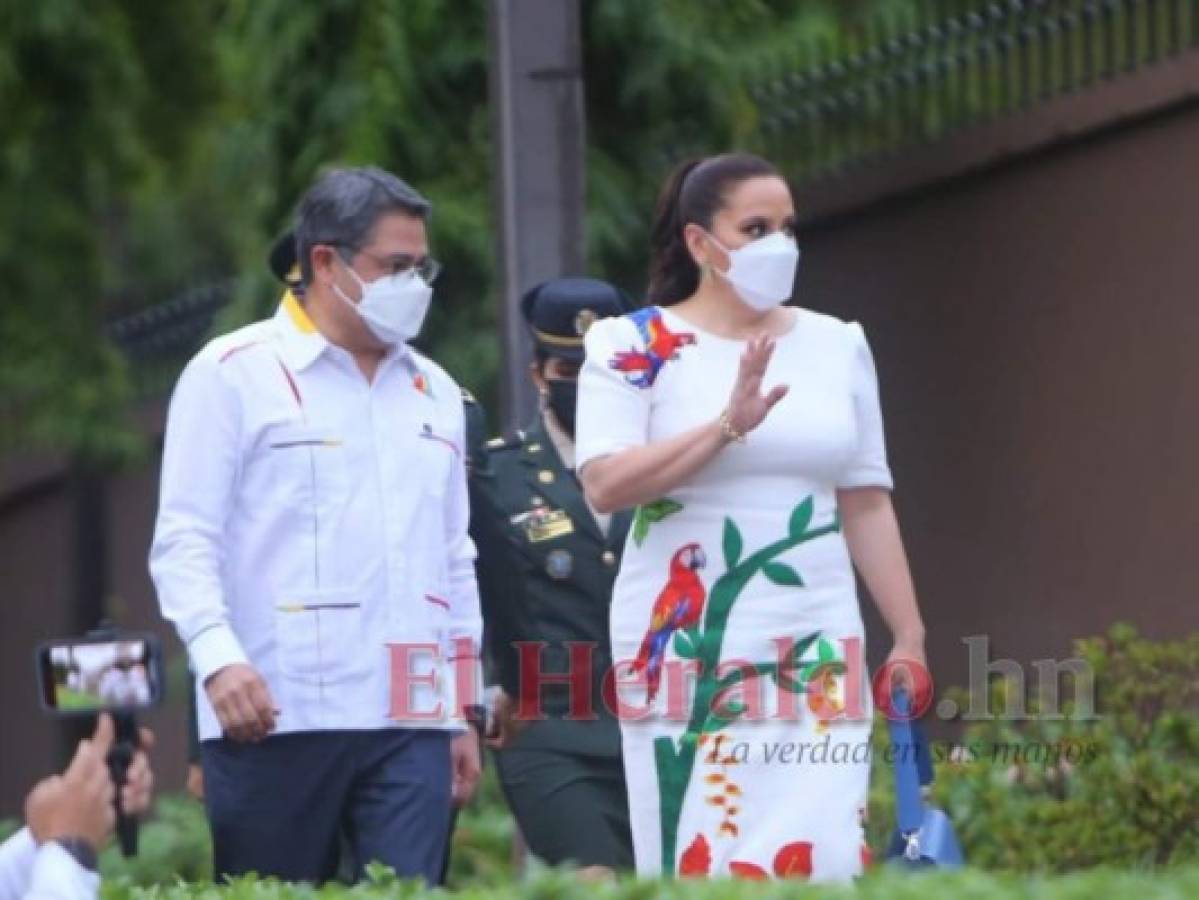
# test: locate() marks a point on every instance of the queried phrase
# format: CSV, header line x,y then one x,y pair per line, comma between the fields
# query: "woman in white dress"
x,y
746,706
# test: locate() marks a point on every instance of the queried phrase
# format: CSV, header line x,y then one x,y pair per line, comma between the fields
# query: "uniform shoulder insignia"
x,y
496,443
468,397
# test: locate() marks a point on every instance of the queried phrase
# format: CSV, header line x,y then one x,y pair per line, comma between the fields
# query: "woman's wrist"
x,y
910,636
728,431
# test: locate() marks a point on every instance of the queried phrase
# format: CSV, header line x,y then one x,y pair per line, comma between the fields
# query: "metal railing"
x,y
953,63
158,340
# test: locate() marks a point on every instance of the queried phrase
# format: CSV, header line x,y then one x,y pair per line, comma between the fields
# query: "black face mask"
x,y
562,393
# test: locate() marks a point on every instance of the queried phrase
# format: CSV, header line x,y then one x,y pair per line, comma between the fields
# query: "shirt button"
x,y
609,558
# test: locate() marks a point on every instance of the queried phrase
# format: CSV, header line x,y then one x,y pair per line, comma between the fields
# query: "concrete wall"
x,y
1035,330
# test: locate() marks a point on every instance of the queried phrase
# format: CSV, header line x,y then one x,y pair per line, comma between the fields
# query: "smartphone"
x,y
90,675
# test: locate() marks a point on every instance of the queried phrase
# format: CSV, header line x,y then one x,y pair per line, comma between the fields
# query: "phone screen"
x,y
92,676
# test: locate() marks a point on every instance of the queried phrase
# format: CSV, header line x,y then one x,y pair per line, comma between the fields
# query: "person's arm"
x,y
57,875
868,519
466,621
48,872
642,471
200,464
876,547
17,855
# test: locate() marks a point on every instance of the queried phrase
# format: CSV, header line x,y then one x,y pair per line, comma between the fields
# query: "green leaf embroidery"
x,y
649,513
660,509
640,525
720,718
825,652
787,683
799,648
782,574
801,517
686,643
731,543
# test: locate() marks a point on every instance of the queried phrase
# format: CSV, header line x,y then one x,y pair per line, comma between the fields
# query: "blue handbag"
x,y
924,835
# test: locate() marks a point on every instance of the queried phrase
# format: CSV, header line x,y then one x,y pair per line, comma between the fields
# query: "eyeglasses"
x,y
398,263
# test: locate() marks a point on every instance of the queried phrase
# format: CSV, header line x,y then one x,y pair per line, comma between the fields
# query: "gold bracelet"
x,y
727,429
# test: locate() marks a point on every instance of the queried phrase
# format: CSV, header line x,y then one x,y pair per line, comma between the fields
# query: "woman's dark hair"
x,y
694,192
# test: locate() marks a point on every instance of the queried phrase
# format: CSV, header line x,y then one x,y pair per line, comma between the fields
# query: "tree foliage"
x,y
152,147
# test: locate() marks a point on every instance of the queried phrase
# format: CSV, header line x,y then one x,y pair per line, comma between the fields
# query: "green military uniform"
x,y
546,570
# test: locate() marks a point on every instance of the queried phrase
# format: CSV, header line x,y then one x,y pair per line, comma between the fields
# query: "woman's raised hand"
x,y
748,406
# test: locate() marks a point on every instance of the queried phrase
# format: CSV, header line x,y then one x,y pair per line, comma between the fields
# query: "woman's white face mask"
x,y
763,271
393,307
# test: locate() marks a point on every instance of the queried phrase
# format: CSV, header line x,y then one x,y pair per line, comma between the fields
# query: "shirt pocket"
x,y
436,455
305,463
319,637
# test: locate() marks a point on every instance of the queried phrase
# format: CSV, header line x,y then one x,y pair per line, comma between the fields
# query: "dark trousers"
x,y
570,807
276,808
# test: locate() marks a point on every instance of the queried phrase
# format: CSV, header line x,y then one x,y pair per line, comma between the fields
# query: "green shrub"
x,y
175,844
1132,800
881,884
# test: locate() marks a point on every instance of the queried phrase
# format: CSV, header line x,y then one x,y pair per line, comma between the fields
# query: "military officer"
x,y
545,568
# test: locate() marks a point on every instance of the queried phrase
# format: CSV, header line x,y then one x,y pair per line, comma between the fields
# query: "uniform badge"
x,y
545,476
544,524
558,564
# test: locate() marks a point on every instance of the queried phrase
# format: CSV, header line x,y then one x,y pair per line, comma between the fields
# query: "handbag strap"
x,y
912,763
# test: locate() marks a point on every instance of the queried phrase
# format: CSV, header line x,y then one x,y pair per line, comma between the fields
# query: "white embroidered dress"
x,y
759,766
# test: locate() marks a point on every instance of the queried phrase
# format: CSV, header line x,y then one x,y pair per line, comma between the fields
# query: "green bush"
x,y
881,884
1128,795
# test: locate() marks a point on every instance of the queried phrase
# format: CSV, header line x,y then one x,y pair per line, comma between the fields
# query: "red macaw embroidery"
x,y
641,367
679,605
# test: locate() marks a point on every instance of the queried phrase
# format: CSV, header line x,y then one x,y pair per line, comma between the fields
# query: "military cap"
x,y
560,311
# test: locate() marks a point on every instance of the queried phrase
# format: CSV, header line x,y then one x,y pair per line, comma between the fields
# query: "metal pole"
x,y
536,84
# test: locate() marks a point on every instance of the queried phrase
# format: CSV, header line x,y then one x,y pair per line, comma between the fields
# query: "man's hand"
x,y
507,724
464,766
195,781
242,702
78,803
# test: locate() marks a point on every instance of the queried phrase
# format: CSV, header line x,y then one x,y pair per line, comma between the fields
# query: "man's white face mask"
x,y
763,271
393,306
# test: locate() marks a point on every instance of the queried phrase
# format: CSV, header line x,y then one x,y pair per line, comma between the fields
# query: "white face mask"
x,y
763,271
393,307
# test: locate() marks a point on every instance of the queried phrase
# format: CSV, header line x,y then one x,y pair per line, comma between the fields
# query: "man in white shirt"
x,y
311,549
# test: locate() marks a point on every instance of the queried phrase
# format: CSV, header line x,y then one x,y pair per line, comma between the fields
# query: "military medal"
x,y
545,524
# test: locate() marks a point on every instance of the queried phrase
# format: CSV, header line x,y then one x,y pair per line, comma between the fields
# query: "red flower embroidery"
x,y
697,858
748,871
794,860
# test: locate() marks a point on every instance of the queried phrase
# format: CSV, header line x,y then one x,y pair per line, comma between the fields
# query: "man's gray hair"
x,y
343,206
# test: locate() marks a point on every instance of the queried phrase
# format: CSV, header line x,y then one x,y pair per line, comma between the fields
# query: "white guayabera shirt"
x,y
309,520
